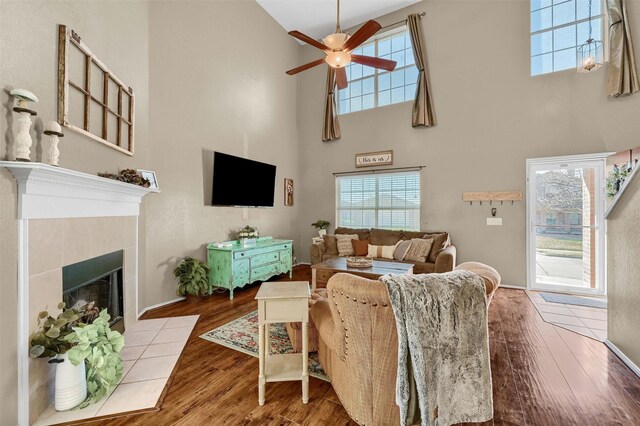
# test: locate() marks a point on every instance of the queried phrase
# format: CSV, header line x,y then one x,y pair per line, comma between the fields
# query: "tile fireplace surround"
x,y
65,217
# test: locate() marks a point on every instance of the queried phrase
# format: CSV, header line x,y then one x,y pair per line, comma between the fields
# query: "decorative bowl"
x,y
359,262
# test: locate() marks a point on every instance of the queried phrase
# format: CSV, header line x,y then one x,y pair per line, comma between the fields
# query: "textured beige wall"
x,y
491,116
117,32
217,82
623,270
55,243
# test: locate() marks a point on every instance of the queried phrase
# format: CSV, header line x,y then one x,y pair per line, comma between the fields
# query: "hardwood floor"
x,y
542,375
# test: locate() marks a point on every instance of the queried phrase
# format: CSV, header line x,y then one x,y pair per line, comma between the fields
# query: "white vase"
x,y
322,232
71,384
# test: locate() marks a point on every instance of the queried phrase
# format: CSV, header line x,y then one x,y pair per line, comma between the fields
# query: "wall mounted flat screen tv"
x,y
241,182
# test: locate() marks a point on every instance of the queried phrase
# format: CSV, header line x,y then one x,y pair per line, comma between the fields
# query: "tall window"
x,y
370,87
379,200
558,27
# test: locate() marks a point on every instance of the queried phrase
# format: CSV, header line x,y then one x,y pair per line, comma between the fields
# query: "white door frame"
x,y
532,164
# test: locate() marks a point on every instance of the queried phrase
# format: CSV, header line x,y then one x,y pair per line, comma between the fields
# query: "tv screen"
x,y
241,182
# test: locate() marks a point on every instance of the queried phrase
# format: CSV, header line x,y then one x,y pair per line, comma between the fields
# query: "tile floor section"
x,y
590,322
151,351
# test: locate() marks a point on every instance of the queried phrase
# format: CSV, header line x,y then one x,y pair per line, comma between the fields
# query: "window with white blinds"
x,y
379,200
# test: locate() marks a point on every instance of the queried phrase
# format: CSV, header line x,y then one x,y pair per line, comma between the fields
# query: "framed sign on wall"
x,y
379,158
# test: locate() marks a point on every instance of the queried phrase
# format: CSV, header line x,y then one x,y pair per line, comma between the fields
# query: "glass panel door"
x,y
566,237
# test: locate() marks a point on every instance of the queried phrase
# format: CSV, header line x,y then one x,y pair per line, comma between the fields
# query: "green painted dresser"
x,y
235,265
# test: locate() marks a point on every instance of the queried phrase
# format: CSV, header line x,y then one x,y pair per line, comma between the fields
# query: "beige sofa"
x,y
441,259
358,343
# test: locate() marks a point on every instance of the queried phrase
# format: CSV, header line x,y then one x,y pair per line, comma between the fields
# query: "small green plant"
x,y
50,341
248,232
193,277
321,224
99,348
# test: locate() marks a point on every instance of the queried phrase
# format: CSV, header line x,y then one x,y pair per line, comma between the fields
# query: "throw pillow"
x,y
345,248
419,249
381,252
440,242
330,244
401,249
360,247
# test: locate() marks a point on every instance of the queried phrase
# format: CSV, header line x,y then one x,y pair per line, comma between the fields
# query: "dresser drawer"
x,y
263,259
255,251
265,271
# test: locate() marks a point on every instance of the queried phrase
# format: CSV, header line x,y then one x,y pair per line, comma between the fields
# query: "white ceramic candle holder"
x,y
54,131
23,137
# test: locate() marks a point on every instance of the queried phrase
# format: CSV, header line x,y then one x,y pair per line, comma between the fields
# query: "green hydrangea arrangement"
x,y
99,347
616,179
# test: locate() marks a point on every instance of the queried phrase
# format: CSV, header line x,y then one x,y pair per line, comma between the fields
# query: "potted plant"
x,y
97,346
248,235
85,351
321,225
50,342
193,279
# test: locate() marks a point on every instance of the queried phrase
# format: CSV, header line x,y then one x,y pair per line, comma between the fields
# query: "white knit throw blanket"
x,y
443,345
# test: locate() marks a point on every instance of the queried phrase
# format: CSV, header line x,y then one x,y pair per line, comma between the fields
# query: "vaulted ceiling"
x,y
317,18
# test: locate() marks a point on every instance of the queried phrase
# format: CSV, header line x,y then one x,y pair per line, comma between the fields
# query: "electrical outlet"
x,y
494,221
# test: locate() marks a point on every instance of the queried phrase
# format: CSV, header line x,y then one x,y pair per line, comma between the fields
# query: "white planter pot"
x,y
322,232
71,384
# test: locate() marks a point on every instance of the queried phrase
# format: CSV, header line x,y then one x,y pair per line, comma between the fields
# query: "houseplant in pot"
x,y
86,353
50,342
321,225
248,235
193,279
98,347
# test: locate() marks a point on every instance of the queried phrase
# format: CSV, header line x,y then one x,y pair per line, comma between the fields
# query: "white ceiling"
x,y
317,18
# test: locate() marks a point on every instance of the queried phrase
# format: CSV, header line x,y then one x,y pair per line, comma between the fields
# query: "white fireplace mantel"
x,y
49,192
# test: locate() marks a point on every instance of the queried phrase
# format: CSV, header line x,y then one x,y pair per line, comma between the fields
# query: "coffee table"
x,y
321,272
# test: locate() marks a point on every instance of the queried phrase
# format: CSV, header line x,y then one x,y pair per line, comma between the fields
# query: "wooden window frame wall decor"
x,y
68,39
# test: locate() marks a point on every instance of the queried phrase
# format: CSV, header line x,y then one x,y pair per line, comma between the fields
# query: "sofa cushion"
x,y
360,247
384,237
363,234
409,235
330,244
345,248
419,249
382,252
401,249
440,242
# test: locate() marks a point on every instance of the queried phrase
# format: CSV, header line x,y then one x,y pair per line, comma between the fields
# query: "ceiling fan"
x,y
338,47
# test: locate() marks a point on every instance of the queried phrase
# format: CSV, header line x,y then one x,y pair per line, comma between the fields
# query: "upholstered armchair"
x,y
358,344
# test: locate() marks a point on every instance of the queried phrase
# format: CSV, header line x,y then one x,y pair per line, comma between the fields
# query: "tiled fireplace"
x,y
66,218
57,247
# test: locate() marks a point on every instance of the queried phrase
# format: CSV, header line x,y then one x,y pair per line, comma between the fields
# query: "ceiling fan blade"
x,y
305,66
341,78
362,35
308,40
370,61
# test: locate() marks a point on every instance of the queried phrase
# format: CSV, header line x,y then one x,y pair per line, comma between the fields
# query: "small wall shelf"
x,y
489,196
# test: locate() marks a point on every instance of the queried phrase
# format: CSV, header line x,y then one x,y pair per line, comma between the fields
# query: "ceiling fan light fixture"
x,y
335,40
338,59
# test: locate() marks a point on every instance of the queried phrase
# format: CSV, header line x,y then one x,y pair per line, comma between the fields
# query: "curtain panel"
x,y
422,113
331,126
622,78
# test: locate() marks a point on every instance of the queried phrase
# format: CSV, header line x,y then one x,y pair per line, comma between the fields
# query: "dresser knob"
x,y
241,254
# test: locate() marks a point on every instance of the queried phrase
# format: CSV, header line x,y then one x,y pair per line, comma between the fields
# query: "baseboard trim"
x,y
160,305
515,287
632,366
302,263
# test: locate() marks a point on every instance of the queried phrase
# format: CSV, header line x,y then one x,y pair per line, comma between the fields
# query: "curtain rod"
x,y
367,172
400,22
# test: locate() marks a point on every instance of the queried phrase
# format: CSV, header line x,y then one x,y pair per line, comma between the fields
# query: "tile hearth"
x,y
152,349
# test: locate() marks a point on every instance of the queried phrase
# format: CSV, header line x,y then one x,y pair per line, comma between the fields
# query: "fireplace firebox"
x,y
97,280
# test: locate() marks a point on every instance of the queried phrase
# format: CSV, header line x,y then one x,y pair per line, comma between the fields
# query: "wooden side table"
x,y
286,301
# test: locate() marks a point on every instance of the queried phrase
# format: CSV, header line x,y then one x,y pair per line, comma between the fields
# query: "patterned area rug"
x,y
242,335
